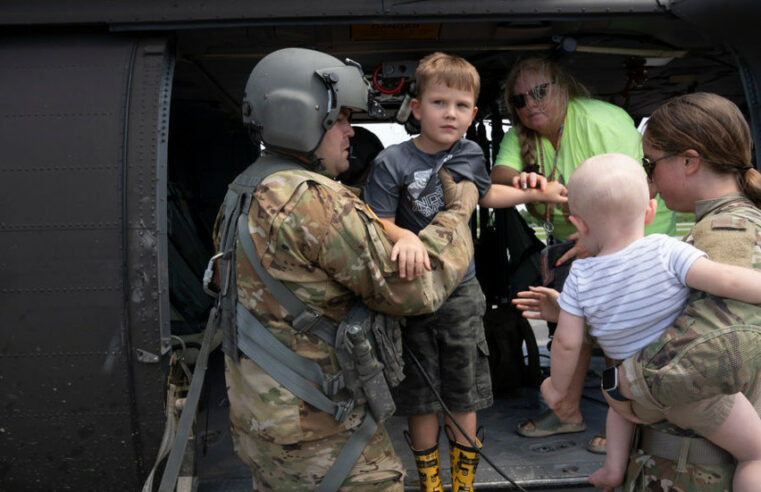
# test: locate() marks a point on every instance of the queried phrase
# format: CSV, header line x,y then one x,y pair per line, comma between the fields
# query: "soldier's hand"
x,y
460,198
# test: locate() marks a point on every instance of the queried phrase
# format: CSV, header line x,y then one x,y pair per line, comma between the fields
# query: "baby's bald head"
x,y
609,187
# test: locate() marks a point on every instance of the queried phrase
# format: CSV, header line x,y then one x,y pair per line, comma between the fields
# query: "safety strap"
x,y
288,368
349,454
172,469
304,319
682,450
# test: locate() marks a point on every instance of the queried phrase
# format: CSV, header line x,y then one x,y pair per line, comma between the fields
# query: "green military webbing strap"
x,y
295,307
172,469
304,318
349,454
285,366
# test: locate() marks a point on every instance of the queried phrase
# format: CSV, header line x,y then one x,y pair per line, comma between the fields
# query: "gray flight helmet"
x,y
294,95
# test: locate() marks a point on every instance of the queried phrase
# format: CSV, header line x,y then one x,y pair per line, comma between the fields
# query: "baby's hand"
x,y
530,180
555,192
539,303
412,256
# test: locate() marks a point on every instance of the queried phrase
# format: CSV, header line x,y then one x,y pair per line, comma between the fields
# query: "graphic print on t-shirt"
x,y
426,198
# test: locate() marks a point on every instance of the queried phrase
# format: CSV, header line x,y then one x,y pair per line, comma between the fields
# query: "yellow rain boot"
x,y
463,461
428,467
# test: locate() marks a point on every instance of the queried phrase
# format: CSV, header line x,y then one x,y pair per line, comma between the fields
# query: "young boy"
x,y
403,189
629,292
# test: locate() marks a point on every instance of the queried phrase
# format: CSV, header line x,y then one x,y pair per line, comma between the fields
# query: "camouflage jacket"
x,y
729,230
318,238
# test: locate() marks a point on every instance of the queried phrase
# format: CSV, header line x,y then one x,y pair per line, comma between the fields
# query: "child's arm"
x,y
734,282
538,303
408,248
564,356
501,196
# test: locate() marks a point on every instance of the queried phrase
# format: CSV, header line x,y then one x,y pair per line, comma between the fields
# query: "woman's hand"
x,y
539,303
530,180
412,256
578,250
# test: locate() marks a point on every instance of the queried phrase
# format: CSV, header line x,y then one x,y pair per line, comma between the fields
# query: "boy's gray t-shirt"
x,y
404,183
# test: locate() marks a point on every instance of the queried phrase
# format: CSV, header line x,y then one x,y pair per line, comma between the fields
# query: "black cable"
x,y
451,417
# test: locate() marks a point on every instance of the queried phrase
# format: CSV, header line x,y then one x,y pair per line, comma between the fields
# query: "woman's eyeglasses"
x,y
649,164
537,93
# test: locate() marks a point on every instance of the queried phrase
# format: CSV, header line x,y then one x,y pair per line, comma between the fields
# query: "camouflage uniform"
x,y
712,351
316,236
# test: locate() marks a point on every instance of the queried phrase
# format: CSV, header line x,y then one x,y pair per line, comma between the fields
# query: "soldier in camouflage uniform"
x,y
325,245
699,147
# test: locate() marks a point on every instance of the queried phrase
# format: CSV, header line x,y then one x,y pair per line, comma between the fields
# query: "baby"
x,y
629,292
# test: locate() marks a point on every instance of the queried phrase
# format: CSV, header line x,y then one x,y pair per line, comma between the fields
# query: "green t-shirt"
x,y
591,127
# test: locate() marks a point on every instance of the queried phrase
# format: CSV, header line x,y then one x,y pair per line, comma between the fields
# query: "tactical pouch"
x,y
369,351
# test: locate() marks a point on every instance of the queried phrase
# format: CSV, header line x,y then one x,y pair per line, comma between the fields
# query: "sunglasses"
x,y
649,164
537,93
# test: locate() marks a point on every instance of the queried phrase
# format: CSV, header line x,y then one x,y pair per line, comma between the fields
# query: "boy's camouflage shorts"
x,y
451,346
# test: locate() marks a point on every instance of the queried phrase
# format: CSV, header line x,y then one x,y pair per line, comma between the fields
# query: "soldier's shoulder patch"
x,y
726,238
373,216
729,221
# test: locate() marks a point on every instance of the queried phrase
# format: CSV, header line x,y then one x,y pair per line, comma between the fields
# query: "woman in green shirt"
x,y
556,126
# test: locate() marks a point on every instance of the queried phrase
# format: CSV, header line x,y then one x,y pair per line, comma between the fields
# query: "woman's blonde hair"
x,y
715,128
564,85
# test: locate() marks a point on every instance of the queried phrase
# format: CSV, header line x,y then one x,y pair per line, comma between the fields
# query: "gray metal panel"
x,y
146,239
75,409
735,23
225,11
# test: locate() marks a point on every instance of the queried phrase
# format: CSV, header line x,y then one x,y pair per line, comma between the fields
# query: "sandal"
x,y
597,448
548,424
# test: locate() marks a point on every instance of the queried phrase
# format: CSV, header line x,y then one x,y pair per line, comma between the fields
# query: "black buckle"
x,y
343,409
332,383
305,321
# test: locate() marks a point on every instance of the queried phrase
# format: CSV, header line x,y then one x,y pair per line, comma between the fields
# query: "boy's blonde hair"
x,y
608,186
454,71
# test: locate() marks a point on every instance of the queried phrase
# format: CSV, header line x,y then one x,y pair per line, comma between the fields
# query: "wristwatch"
x,y
609,383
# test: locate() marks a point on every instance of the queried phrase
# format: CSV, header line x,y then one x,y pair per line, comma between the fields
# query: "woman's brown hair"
x,y
712,126
564,84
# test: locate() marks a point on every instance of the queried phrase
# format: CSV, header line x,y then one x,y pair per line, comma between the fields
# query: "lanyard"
x,y
548,227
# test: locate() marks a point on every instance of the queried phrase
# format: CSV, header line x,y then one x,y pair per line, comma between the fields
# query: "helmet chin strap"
x,y
311,162
316,163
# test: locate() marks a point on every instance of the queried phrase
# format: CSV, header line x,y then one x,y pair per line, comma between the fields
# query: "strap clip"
x,y
208,274
332,383
305,320
343,409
